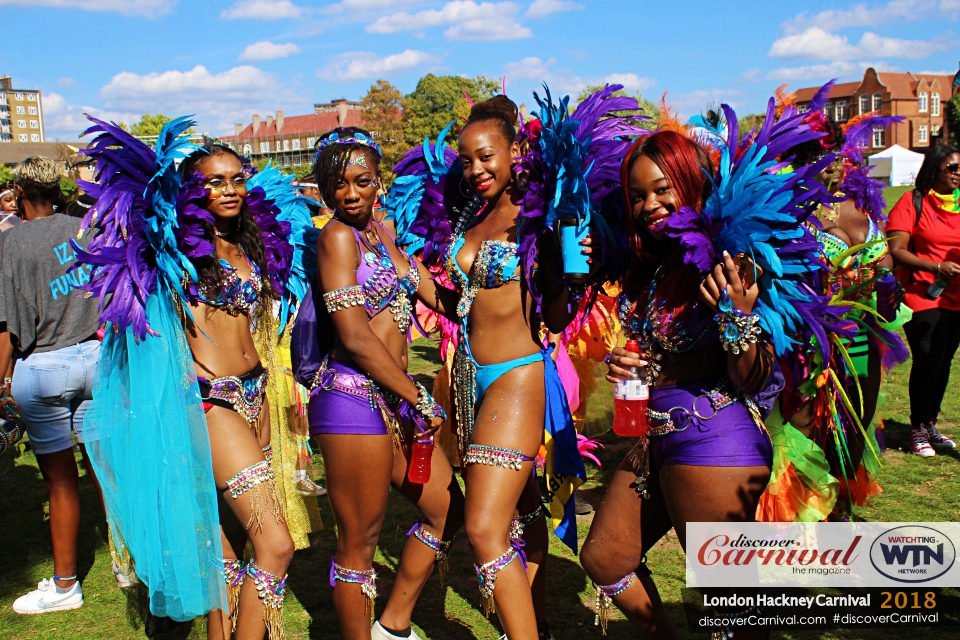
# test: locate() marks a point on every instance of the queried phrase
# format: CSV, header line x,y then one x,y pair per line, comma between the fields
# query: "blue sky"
x,y
226,59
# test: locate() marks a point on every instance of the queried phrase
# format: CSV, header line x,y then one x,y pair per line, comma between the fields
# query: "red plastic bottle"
x,y
419,471
630,399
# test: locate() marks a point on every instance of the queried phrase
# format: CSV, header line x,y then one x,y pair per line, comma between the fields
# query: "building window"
x,y
879,137
864,104
935,104
33,110
842,114
802,108
923,102
877,101
828,109
264,147
34,137
247,149
311,142
286,145
34,124
296,144
19,97
23,137
279,146
934,130
22,124
21,111
922,133
31,97
296,160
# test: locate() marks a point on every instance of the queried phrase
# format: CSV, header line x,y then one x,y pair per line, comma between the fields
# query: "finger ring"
x,y
606,359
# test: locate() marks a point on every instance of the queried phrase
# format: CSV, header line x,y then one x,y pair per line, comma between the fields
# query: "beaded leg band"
x,y
604,601
487,577
233,572
495,456
366,579
270,588
258,480
442,547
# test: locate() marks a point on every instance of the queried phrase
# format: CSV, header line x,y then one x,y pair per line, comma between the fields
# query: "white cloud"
x,y
218,99
66,83
262,10
543,8
631,82
937,73
267,50
531,68
148,8
823,72
361,65
469,21
863,16
696,102
65,121
818,44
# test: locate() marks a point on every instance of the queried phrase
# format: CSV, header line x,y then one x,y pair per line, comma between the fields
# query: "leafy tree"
x,y
439,99
383,114
150,125
751,121
6,174
69,188
953,119
647,107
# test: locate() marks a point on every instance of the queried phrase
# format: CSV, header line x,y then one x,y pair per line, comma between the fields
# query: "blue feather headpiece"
x,y
356,138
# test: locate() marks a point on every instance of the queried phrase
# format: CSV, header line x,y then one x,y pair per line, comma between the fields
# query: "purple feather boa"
x,y
275,235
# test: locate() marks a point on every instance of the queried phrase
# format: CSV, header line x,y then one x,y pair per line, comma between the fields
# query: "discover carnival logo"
x,y
913,553
822,554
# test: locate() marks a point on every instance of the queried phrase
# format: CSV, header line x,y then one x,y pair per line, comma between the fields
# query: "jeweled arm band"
x,y
344,298
426,406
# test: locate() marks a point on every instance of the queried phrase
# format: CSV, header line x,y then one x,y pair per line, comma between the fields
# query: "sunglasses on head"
x,y
953,167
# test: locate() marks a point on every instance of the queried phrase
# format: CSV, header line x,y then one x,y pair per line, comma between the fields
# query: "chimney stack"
x,y
6,82
237,128
256,124
279,121
342,113
269,121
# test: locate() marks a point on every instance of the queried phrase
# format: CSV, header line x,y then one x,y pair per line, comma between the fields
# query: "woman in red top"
x,y
927,248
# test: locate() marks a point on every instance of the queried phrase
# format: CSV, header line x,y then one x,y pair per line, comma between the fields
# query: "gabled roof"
x,y
842,90
292,125
903,86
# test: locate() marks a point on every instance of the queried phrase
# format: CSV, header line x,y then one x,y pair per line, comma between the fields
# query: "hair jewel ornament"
x,y
738,330
358,159
356,138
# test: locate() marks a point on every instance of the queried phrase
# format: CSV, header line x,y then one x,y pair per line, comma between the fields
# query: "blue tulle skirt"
x,y
147,439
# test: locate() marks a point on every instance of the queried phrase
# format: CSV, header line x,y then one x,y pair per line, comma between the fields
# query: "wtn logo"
x,y
912,553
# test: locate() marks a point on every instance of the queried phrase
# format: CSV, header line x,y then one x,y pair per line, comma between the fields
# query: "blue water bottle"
x,y
572,231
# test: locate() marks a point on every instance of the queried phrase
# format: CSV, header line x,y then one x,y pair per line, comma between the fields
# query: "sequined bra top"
x,y
381,283
496,264
237,296
859,268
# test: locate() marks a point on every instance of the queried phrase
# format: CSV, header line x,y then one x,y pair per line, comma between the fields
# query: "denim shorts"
x,y
54,390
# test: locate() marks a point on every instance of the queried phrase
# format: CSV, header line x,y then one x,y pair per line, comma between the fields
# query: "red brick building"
x,y
289,140
918,97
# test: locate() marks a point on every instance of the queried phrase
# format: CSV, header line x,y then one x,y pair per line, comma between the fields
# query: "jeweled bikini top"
x,y
496,264
237,296
858,268
382,286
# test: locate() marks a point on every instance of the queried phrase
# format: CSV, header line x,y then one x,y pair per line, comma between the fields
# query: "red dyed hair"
x,y
687,167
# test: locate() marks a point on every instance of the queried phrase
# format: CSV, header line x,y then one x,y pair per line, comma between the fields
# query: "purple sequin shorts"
x,y
710,437
346,403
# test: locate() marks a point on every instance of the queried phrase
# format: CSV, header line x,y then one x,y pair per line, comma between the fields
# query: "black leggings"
x,y
934,336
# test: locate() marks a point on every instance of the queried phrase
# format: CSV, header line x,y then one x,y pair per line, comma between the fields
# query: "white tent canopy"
x,y
896,166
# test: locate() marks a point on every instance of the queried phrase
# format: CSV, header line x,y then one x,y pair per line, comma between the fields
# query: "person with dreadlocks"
x,y
186,262
365,411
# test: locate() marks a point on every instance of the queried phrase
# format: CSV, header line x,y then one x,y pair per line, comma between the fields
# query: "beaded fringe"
x,y
233,572
604,601
366,579
442,547
487,577
270,589
259,481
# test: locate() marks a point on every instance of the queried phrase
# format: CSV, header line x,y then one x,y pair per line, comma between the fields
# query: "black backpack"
x,y
918,206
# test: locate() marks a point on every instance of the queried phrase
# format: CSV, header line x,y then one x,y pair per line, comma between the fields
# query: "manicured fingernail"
x,y
726,253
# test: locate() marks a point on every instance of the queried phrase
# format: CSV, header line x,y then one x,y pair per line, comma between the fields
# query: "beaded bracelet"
x,y
344,298
738,330
427,406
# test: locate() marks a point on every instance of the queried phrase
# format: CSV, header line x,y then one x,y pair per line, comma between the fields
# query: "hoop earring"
x,y
469,193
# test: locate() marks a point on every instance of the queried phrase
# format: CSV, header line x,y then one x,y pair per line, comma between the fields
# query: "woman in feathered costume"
x,y
835,404
717,291
364,410
184,263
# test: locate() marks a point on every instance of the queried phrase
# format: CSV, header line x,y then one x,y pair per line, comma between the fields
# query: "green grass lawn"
x,y
915,489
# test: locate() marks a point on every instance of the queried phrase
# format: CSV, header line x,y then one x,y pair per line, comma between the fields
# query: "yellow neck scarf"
x,y
949,202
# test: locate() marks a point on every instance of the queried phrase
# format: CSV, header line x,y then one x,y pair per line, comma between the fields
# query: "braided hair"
x,y
243,230
333,159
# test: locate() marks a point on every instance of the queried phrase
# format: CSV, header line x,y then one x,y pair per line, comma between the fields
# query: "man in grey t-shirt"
x,y
50,330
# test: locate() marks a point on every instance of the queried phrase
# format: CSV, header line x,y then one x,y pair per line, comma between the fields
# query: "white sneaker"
x,y
307,487
920,443
124,581
45,598
379,633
